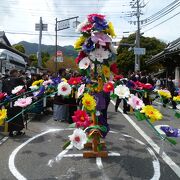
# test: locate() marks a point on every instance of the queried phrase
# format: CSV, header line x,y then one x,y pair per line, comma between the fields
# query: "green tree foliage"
x,y
19,47
33,60
126,57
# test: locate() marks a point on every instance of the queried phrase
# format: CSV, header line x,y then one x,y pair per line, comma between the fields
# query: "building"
x,y
170,58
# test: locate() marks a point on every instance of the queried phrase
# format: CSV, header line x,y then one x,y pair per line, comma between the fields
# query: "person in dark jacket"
x,y
17,124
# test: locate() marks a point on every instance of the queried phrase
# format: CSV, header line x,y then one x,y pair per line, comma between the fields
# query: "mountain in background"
x,y
32,48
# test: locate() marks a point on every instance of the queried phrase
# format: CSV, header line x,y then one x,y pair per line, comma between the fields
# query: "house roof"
x,y
4,39
173,48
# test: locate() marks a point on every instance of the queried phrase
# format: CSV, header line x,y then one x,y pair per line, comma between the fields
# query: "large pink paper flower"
x,y
101,38
78,138
135,102
23,102
91,17
81,118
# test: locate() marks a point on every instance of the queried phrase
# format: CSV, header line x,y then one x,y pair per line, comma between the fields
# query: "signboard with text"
x,y
139,51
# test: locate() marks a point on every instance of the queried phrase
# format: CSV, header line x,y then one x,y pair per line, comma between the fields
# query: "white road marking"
x,y
12,166
3,139
164,156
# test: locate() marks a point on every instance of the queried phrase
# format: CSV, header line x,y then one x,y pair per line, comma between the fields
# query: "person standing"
x,y
8,84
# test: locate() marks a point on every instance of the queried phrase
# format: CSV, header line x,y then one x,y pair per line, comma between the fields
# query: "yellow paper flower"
x,y
164,93
106,71
89,102
176,98
152,113
37,83
110,30
79,42
3,116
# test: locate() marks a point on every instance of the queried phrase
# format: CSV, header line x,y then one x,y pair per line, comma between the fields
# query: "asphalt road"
x,y
132,146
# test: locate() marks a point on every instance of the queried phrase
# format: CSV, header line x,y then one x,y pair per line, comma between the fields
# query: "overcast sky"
x,y
18,18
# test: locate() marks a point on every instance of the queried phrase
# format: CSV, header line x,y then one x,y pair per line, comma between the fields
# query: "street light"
x,y
61,25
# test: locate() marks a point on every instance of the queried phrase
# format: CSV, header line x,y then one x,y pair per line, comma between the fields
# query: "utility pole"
x,y
40,27
39,45
56,47
138,7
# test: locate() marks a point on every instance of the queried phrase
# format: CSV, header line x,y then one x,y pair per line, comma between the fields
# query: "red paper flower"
x,y
81,118
91,17
81,55
117,77
143,86
114,68
87,28
108,87
2,95
74,80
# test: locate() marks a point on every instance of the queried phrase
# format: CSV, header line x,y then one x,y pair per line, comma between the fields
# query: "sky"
x,y
18,18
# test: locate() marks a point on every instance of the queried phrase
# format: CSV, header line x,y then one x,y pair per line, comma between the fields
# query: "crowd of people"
x,y
63,108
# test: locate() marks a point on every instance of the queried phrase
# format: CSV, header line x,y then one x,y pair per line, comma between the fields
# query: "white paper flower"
x,y
23,102
80,90
135,102
17,89
46,83
34,87
78,138
178,106
64,89
99,54
122,91
84,63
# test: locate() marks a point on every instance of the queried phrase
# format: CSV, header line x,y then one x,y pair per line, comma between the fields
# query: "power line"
x,y
162,22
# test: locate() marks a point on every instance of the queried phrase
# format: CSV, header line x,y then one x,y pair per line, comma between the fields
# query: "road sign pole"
x,y
56,48
39,46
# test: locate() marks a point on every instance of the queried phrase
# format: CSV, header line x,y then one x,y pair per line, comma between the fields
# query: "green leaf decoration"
x,y
140,116
66,145
73,125
172,141
177,115
113,96
101,128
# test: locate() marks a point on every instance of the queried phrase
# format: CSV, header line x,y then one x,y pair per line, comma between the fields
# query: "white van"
x,y
10,60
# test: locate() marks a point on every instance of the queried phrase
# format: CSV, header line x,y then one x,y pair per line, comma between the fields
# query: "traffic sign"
x,y
140,51
44,27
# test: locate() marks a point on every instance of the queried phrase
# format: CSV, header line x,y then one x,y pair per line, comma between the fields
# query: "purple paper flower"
x,y
88,46
56,81
101,38
170,131
100,24
40,92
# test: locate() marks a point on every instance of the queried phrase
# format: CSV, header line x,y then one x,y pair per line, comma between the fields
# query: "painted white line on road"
x,y
3,139
12,166
164,156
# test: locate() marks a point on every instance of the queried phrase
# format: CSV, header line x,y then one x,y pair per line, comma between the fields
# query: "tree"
x,y
19,47
126,57
33,60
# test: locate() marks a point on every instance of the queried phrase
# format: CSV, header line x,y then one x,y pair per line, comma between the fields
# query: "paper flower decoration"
x,y
84,63
176,98
152,113
48,82
110,30
79,42
99,54
178,106
122,91
100,38
108,87
34,87
64,89
106,71
3,116
23,102
92,16
88,46
81,118
2,96
170,131
17,89
135,102
80,90
38,83
81,55
78,138
164,93
74,80
89,102
39,92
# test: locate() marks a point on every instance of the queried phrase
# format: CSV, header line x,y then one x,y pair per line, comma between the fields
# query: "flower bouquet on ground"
x,y
165,95
177,100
